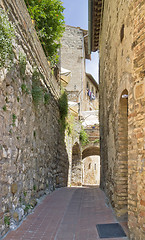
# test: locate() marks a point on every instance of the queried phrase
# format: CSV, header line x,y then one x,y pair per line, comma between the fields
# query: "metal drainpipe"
x,y
82,73
89,26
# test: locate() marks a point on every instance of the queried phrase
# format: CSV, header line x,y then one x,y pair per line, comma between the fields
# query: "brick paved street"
x,y
66,214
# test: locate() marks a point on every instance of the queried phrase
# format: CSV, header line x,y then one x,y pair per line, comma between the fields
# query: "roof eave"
x,y
95,8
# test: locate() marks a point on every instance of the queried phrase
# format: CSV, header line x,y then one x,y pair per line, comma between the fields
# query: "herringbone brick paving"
x,y
66,214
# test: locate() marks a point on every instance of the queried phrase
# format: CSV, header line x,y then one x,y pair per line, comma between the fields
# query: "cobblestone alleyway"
x,y
66,214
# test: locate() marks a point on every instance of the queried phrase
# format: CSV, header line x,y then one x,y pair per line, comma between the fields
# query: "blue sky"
x,y
76,14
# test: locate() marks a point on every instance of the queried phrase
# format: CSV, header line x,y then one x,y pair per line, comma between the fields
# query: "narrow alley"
x,y
67,214
72,119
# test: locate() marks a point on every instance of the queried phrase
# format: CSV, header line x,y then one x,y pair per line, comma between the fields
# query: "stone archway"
x,y
76,174
91,164
121,203
90,151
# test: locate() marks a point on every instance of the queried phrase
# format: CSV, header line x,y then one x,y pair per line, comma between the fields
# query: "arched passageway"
x,y
91,164
90,151
76,174
91,170
121,204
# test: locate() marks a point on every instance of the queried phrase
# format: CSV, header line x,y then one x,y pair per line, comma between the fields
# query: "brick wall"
x,y
122,65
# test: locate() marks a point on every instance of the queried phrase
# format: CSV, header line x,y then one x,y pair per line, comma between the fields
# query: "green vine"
x,y
34,188
14,117
25,89
37,92
46,98
4,108
7,220
22,62
63,105
70,125
84,137
27,207
63,109
6,37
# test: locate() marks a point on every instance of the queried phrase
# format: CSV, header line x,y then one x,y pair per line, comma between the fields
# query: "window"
x,y
92,90
95,166
89,165
87,85
96,93
122,33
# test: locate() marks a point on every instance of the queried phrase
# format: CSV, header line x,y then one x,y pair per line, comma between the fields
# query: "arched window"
x,y
88,85
96,93
89,165
95,166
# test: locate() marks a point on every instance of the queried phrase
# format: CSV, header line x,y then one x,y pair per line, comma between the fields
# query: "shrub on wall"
x,y
63,105
84,137
63,109
37,92
49,24
6,37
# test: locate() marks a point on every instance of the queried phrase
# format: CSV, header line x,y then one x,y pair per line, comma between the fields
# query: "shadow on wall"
x,y
76,175
90,151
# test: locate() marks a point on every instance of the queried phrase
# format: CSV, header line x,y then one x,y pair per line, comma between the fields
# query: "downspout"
x,y
89,26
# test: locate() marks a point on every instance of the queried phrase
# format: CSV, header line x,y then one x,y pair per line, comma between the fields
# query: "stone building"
x,y
117,30
90,94
33,156
74,51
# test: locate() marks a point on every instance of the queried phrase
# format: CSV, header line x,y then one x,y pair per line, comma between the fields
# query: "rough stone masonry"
x,y
33,158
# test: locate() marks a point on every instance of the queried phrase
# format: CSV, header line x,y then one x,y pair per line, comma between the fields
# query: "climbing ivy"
x,y
70,122
63,105
84,137
22,63
49,24
37,92
6,37
63,109
7,220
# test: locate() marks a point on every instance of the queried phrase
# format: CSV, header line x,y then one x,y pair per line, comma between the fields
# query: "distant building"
x,y
90,94
81,86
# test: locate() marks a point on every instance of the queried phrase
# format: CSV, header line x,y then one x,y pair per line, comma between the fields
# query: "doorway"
x,y
122,166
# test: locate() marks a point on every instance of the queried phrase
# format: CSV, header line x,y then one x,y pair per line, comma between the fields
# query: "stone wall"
x,y
122,114
76,173
73,147
33,157
91,170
